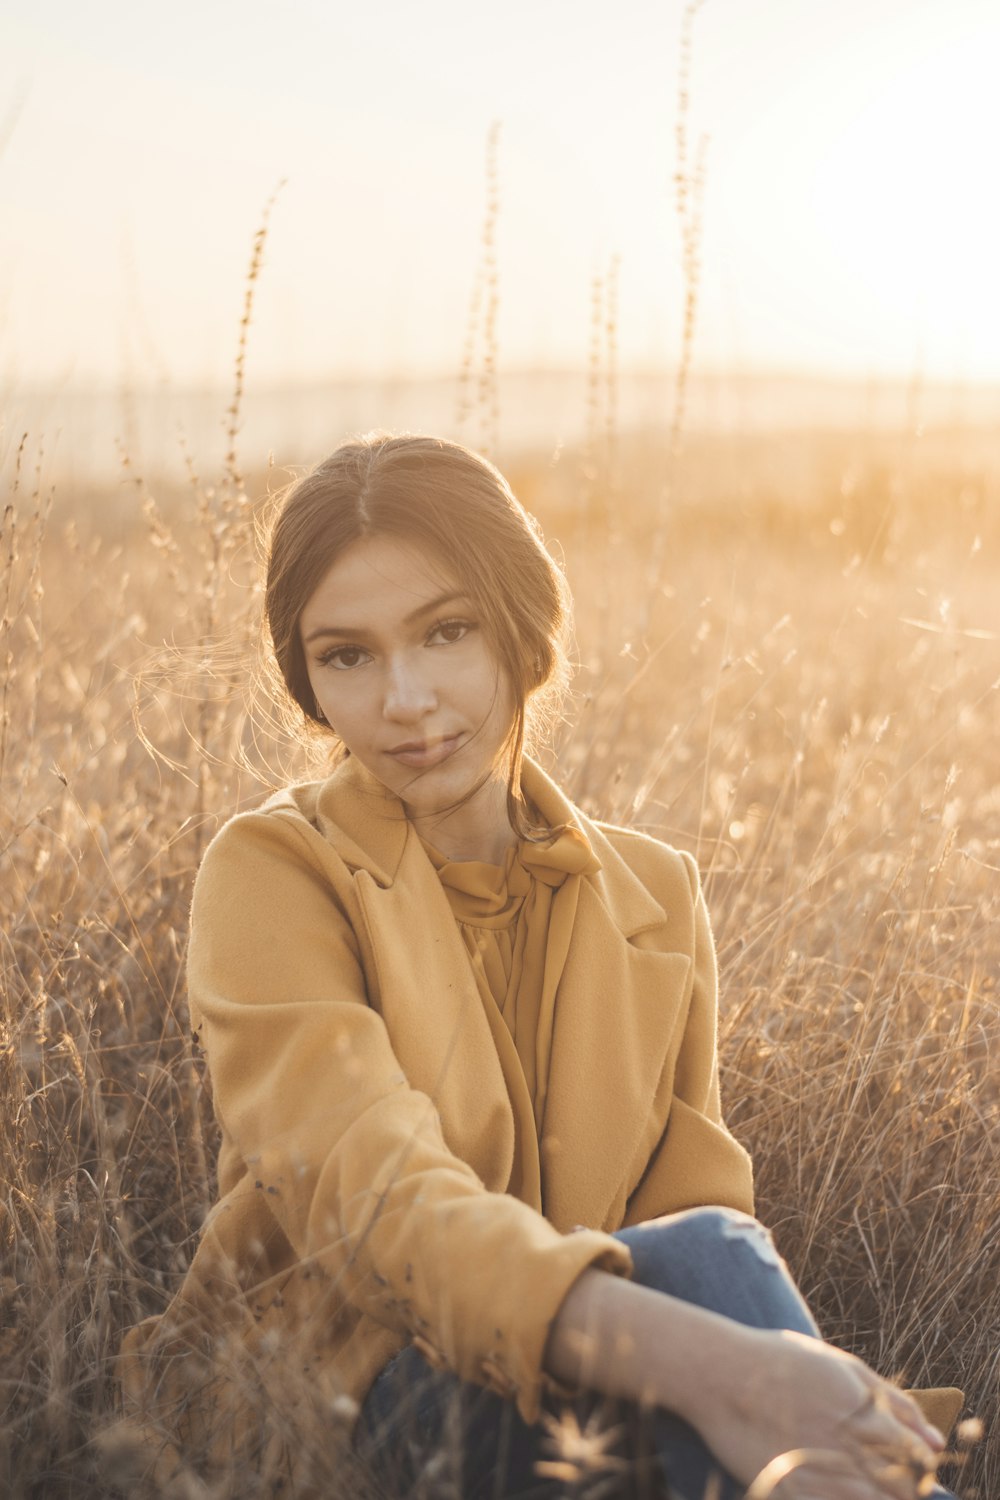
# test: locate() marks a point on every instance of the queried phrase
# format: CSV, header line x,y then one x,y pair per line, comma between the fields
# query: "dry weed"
x,y
806,700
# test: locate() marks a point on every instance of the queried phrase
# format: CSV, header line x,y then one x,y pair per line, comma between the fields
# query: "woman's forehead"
x,y
378,577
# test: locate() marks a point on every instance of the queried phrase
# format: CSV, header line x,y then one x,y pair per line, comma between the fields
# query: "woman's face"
x,y
401,669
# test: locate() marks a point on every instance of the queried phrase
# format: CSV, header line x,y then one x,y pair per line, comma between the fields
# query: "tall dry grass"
x,y
805,695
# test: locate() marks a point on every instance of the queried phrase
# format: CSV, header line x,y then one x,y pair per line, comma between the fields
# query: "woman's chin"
x,y
454,790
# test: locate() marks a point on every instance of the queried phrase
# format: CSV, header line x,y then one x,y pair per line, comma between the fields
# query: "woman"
x,y
461,1039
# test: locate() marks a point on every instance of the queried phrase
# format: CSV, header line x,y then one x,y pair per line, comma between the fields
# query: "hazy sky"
x,y
851,217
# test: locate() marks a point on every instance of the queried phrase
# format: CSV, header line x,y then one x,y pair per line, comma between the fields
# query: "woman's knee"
x,y
721,1259
713,1231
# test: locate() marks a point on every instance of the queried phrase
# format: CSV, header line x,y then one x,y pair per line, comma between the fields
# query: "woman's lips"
x,y
430,754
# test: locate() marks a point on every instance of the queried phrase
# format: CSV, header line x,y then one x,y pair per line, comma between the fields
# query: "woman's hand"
x,y
788,1405
802,1419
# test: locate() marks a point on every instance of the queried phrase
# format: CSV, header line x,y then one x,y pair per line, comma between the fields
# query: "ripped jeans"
x,y
426,1432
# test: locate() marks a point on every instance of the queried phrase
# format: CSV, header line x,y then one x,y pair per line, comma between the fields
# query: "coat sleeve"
x,y
310,1094
696,1161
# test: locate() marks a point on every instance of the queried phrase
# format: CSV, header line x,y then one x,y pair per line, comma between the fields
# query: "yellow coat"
x,y
367,1128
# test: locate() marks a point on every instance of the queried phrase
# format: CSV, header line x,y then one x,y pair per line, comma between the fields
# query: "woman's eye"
x,y
451,631
342,657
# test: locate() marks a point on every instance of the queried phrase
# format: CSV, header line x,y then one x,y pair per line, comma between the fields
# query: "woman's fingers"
x,y
824,1427
894,1453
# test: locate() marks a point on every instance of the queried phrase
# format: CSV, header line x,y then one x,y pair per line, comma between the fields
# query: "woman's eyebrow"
x,y
359,632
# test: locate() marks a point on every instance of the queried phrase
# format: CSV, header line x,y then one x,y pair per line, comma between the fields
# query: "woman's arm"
x,y
349,1159
752,1394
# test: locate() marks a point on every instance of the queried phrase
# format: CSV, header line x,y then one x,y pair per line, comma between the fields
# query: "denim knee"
x,y
720,1259
699,1234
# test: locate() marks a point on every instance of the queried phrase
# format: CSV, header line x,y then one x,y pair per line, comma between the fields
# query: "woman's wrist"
x,y
724,1374
706,1363
627,1340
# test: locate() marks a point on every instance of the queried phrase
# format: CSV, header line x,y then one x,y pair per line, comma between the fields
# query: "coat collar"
x,y
619,1007
367,825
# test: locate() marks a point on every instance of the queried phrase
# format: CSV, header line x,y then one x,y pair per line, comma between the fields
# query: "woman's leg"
x,y
414,1415
424,1427
417,1421
722,1260
725,1261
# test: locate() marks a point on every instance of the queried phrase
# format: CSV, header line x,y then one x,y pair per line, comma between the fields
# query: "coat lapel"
x,y
434,1016
419,973
617,1012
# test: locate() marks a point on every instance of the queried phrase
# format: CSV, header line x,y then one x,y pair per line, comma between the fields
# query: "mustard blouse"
x,y
516,921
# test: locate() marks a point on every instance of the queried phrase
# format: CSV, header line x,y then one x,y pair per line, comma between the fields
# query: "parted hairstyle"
x,y
458,509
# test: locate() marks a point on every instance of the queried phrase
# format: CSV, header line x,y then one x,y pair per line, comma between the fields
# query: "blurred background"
x,y
470,186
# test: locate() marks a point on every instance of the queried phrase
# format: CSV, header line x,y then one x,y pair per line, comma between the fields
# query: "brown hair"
x,y
457,507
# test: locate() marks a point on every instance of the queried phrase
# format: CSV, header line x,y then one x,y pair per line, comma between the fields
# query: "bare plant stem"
x,y
590,468
689,193
233,476
484,306
7,621
611,418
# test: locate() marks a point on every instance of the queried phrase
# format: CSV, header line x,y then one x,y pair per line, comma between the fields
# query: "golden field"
x,y
788,663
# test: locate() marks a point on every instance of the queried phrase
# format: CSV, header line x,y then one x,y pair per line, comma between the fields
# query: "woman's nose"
x,y
408,693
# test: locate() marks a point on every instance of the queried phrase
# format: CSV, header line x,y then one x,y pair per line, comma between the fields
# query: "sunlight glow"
x,y
901,201
849,218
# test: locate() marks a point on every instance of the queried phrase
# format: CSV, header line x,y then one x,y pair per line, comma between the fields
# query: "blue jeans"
x,y
467,1441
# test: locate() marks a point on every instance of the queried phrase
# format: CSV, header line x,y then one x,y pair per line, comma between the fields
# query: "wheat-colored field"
x,y
788,663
